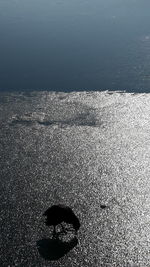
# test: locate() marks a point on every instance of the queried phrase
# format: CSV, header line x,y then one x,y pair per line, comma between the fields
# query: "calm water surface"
x,y
83,149
75,45
80,148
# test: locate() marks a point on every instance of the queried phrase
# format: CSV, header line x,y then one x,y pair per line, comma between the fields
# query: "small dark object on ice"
x,y
57,214
103,206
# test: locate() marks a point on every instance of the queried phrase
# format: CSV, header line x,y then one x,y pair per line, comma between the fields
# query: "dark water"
x,y
75,45
84,149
